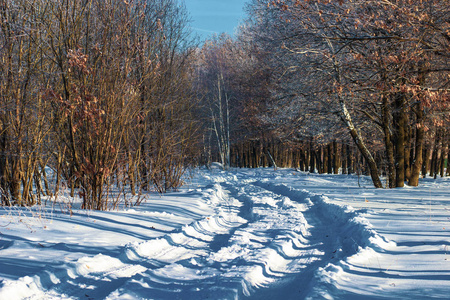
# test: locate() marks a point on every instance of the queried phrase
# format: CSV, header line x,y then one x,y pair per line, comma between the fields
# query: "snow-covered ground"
x,y
258,234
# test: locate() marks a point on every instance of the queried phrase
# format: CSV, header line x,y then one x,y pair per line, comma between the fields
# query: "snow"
x,y
237,234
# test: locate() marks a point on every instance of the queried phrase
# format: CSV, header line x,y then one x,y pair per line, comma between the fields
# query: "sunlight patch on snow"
x,y
28,287
255,278
230,253
179,272
162,250
382,243
103,266
23,288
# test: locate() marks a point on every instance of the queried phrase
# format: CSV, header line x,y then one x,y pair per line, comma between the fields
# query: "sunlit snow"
x,y
256,234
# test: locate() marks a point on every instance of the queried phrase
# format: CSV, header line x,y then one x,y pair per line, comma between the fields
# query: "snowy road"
x,y
262,241
256,238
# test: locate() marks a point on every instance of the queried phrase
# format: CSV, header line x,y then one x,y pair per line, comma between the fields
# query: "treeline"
x,y
373,75
98,91
331,158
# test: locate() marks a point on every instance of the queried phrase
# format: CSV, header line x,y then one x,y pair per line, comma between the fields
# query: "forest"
x,y
98,95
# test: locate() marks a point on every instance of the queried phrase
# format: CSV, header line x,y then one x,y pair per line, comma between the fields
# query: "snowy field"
x,y
257,234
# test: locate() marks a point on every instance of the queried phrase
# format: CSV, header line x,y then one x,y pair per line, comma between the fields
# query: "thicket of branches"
x,y
98,91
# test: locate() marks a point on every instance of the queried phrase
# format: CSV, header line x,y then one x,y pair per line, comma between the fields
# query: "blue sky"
x,y
215,16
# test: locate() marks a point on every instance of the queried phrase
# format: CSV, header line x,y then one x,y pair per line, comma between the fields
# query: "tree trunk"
x,y
344,159
301,163
312,158
350,161
307,158
373,169
442,160
400,124
241,155
325,161
386,121
426,161
448,162
330,159
433,163
319,161
408,154
436,156
336,160
418,153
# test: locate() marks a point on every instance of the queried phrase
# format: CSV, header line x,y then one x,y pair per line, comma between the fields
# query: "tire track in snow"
x,y
337,231
276,244
256,239
262,239
269,247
